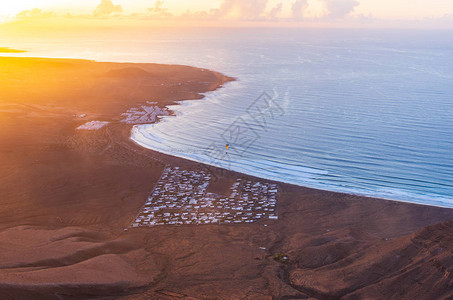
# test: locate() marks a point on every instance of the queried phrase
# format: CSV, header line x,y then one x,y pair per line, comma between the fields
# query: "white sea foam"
x,y
297,175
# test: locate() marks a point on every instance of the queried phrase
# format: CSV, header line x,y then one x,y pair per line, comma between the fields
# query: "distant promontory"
x,y
9,50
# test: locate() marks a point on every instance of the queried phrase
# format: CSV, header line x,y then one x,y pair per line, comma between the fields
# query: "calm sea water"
x,y
364,112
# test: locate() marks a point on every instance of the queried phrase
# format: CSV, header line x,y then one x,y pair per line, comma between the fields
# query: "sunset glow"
x,y
287,12
226,149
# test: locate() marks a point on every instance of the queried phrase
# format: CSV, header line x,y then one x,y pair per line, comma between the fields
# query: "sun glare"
x,y
11,8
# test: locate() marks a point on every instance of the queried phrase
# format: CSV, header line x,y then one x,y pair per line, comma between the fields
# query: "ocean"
x,y
367,112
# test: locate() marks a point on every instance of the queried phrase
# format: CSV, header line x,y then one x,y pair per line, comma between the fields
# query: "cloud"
x,y
158,10
34,13
106,8
275,11
298,8
240,9
338,9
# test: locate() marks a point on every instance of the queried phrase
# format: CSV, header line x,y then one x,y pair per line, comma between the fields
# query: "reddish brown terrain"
x,y
67,196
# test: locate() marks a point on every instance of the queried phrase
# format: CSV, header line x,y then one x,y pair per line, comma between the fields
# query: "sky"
x,y
353,13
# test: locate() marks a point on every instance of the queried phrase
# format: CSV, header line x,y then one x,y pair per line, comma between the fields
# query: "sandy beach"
x,y
67,195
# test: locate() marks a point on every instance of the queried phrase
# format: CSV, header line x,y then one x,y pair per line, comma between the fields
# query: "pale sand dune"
x,y
92,125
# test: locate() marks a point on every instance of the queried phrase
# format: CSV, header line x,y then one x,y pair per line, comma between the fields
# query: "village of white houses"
x,y
180,197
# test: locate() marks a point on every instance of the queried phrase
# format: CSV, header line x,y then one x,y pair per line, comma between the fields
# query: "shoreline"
x,y
192,162
295,184
68,195
412,200
185,161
